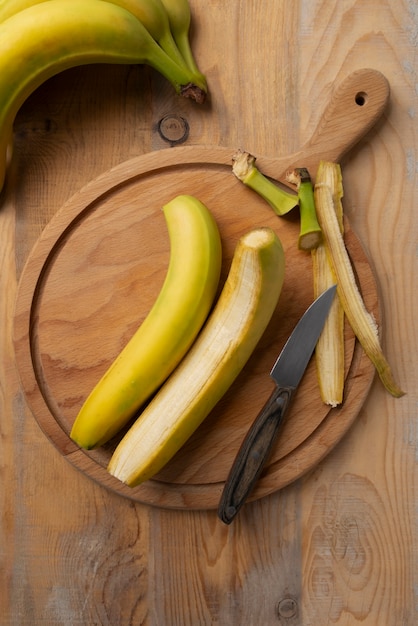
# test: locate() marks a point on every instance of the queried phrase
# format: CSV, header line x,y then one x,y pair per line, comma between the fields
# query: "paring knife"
x,y
287,373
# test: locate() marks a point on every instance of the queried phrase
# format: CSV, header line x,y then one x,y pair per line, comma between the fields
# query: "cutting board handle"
x,y
355,106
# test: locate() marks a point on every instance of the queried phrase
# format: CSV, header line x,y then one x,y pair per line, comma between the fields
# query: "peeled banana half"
x,y
227,340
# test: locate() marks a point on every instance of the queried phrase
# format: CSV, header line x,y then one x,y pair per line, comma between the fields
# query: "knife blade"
x,y
287,372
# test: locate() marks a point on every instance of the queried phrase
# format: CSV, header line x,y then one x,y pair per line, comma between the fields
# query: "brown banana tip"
x,y
194,92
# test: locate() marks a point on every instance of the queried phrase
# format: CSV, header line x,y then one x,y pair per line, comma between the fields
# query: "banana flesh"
x,y
167,332
221,350
49,37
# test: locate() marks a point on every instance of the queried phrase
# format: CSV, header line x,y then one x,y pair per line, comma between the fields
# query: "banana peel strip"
x,y
361,321
329,352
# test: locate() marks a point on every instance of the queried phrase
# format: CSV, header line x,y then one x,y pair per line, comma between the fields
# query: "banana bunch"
x,y
40,38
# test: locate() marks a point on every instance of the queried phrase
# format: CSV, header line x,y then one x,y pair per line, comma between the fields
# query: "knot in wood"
x,y
174,129
287,608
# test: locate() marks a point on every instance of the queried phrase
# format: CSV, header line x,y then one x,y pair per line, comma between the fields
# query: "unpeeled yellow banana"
x,y
151,13
221,350
166,333
49,37
11,7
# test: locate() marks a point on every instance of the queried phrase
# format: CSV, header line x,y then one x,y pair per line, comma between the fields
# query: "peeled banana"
x,y
224,345
168,330
49,37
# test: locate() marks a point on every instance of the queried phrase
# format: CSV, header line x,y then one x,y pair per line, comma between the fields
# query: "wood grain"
x,y
337,547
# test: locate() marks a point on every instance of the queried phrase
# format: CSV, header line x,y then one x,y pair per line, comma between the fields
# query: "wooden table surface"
x,y
338,546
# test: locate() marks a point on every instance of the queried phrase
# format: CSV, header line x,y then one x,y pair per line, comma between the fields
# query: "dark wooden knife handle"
x,y
253,454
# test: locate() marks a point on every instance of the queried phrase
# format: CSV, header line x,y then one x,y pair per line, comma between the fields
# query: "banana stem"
x,y
168,44
183,44
310,235
183,81
179,17
246,171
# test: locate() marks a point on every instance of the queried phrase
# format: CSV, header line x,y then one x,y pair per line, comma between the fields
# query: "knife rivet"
x,y
174,129
287,608
230,511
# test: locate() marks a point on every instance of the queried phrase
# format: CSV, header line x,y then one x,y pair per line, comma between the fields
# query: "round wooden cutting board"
x,y
95,273
99,265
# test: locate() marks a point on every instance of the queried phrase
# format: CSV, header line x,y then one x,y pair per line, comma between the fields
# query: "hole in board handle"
x,y
361,98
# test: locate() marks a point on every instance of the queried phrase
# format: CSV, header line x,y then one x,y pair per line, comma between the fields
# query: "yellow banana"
x,y
224,345
45,39
179,16
167,332
151,13
11,7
